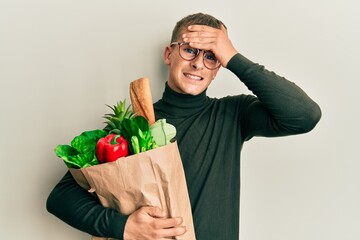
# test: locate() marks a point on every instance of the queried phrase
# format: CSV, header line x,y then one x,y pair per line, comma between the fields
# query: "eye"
x,y
190,50
210,56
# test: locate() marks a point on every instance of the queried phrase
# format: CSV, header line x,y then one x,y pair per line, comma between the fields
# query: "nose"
x,y
198,62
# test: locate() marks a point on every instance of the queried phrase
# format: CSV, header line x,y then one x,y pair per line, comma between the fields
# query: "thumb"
x,y
155,212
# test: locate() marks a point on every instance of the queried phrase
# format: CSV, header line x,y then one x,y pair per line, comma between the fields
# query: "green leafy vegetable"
x,y
137,131
81,153
135,144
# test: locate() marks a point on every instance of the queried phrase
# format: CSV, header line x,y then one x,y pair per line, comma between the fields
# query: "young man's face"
x,y
187,77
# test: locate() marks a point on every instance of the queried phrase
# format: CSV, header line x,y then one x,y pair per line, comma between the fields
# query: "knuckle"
x,y
156,225
155,234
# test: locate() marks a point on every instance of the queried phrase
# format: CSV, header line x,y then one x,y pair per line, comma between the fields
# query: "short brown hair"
x,y
195,19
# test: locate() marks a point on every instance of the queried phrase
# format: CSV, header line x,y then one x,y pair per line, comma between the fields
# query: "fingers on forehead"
x,y
198,28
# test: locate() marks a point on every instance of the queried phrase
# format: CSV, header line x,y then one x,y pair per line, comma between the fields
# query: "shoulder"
x,y
235,100
234,105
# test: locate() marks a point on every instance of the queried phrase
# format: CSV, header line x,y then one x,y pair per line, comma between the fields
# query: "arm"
x,y
279,108
78,208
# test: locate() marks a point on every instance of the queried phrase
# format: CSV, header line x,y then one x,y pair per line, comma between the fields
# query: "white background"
x,y
62,61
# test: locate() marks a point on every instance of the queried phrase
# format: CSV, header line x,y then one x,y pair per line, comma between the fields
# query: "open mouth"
x,y
193,77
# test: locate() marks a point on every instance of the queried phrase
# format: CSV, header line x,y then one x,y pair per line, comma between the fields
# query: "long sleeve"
x,y
78,208
280,107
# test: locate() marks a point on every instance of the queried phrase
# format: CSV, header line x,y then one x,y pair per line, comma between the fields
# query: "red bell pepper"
x,y
111,148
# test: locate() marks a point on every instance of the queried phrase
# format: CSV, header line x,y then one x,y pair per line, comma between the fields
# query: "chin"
x,y
185,87
193,92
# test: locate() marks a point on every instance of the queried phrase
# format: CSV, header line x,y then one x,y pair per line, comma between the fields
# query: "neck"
x,y
182,105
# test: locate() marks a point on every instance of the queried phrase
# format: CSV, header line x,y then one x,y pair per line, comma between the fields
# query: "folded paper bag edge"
x,y
80,178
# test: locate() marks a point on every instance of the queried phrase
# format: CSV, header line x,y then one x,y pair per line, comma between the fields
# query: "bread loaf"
x,y
141,99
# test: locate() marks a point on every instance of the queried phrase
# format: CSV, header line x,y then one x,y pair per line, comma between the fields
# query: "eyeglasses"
x,y
189,53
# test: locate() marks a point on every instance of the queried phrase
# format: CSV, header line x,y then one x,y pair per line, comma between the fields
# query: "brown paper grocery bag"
x,y
152,178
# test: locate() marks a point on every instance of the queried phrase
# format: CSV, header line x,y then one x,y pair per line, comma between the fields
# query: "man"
x,y
210,135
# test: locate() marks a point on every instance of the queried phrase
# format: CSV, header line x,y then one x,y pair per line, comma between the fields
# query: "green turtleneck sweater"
x,y
210,135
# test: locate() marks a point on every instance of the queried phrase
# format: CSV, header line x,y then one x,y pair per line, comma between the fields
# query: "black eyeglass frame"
x,y
196,55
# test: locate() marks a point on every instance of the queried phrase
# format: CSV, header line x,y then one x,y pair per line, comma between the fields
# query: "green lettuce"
x,y
81,152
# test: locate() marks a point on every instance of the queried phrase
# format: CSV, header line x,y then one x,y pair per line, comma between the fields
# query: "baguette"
x,y
141,99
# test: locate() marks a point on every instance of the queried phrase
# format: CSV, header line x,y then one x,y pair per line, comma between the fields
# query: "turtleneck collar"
x,y
182,105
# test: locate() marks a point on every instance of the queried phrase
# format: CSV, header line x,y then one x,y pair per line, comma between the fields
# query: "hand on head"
x,y
212,39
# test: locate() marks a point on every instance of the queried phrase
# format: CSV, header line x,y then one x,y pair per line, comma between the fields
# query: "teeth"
x,y
192,76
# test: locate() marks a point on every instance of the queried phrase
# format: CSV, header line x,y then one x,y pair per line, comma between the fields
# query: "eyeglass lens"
x,y
189,53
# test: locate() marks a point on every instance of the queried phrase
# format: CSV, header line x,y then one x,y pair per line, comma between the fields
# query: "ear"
x,y
167,53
